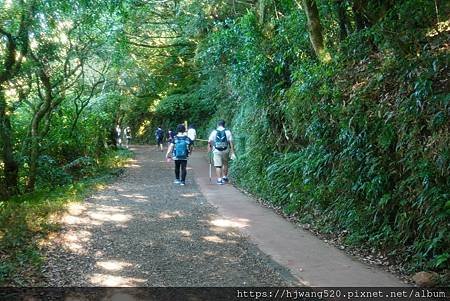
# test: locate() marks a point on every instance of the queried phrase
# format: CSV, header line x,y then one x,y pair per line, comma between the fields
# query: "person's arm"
x,y
230,142
210,141
169,150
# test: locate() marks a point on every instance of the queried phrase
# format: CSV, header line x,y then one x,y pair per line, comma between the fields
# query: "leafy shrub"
x,y
50,174
81,167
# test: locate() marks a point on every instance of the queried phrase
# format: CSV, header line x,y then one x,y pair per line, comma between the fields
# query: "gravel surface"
x,y
144,230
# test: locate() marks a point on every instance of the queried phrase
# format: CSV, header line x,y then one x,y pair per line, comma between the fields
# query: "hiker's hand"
x,y
233,156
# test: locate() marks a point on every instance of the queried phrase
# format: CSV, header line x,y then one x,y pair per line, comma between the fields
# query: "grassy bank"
x,y
26,221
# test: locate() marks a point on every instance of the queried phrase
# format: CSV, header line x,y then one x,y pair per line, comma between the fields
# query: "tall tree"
x,y
344,23
16,47
315,29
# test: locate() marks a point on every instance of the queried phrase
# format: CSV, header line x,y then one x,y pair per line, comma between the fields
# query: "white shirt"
x,y
212,137
192,134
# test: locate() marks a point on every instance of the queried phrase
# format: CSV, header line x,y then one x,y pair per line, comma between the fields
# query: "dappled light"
x,y
230,222
133,164
72,220
107,208
173,214
185,233
113,265
135,196
190,195
102,197
100,215
335,112
108,217
139,198
115,281
75,241
76,208
216,239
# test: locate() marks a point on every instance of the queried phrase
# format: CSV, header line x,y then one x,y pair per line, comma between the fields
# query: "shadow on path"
x,y
143,230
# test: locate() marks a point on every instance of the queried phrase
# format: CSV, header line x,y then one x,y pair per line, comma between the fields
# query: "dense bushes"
x,y
359,143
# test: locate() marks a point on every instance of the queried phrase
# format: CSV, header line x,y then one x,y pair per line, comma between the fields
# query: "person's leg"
x,y
218,165
219,172
183,164
177,170
225,166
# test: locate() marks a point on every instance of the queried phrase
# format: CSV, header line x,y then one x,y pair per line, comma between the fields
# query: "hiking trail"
x,y
143,230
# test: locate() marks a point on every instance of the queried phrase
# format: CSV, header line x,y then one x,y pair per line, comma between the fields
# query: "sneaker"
x,y
220,182
225,179
177,181
182,183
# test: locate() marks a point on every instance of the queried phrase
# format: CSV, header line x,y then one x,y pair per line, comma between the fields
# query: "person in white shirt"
x,y
118,133
127,136
220,142
192,134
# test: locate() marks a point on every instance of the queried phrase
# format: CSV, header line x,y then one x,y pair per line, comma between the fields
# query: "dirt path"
x,y
145,231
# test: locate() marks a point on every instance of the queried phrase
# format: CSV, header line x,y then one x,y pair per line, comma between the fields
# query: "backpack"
x,y
221,142
181,148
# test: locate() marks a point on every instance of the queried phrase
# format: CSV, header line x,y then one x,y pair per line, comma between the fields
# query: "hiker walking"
x,y
170,135
118,133
127,135
179,150
220,142
159,135
192,135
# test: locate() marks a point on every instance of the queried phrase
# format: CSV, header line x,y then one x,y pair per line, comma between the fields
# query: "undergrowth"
x,y
26,220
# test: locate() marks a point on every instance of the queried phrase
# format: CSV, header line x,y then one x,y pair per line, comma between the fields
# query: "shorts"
x,y
220,157
159,141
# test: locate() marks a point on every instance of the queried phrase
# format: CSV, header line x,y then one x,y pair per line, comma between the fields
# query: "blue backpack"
x,y
181,148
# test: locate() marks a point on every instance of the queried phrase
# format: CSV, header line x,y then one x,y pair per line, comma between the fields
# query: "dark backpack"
x,y
221,142
159,133
181,148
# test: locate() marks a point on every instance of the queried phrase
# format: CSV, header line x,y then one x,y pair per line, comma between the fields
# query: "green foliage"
x,y
25,221
357,144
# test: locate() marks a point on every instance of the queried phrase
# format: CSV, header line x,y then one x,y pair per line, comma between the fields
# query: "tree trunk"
x,y
344,24
261,10
34,154
361,20
10,67
43,109
315,29
11,170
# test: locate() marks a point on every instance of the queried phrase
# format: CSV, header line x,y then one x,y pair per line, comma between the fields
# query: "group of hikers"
x,y
181,145
125,134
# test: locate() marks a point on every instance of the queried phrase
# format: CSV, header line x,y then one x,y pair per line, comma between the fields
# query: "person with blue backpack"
x,y
220,142
179,150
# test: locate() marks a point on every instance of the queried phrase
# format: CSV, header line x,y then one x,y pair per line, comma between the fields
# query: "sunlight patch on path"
x,y
230,222
115,281
113,265
167,215
107,217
